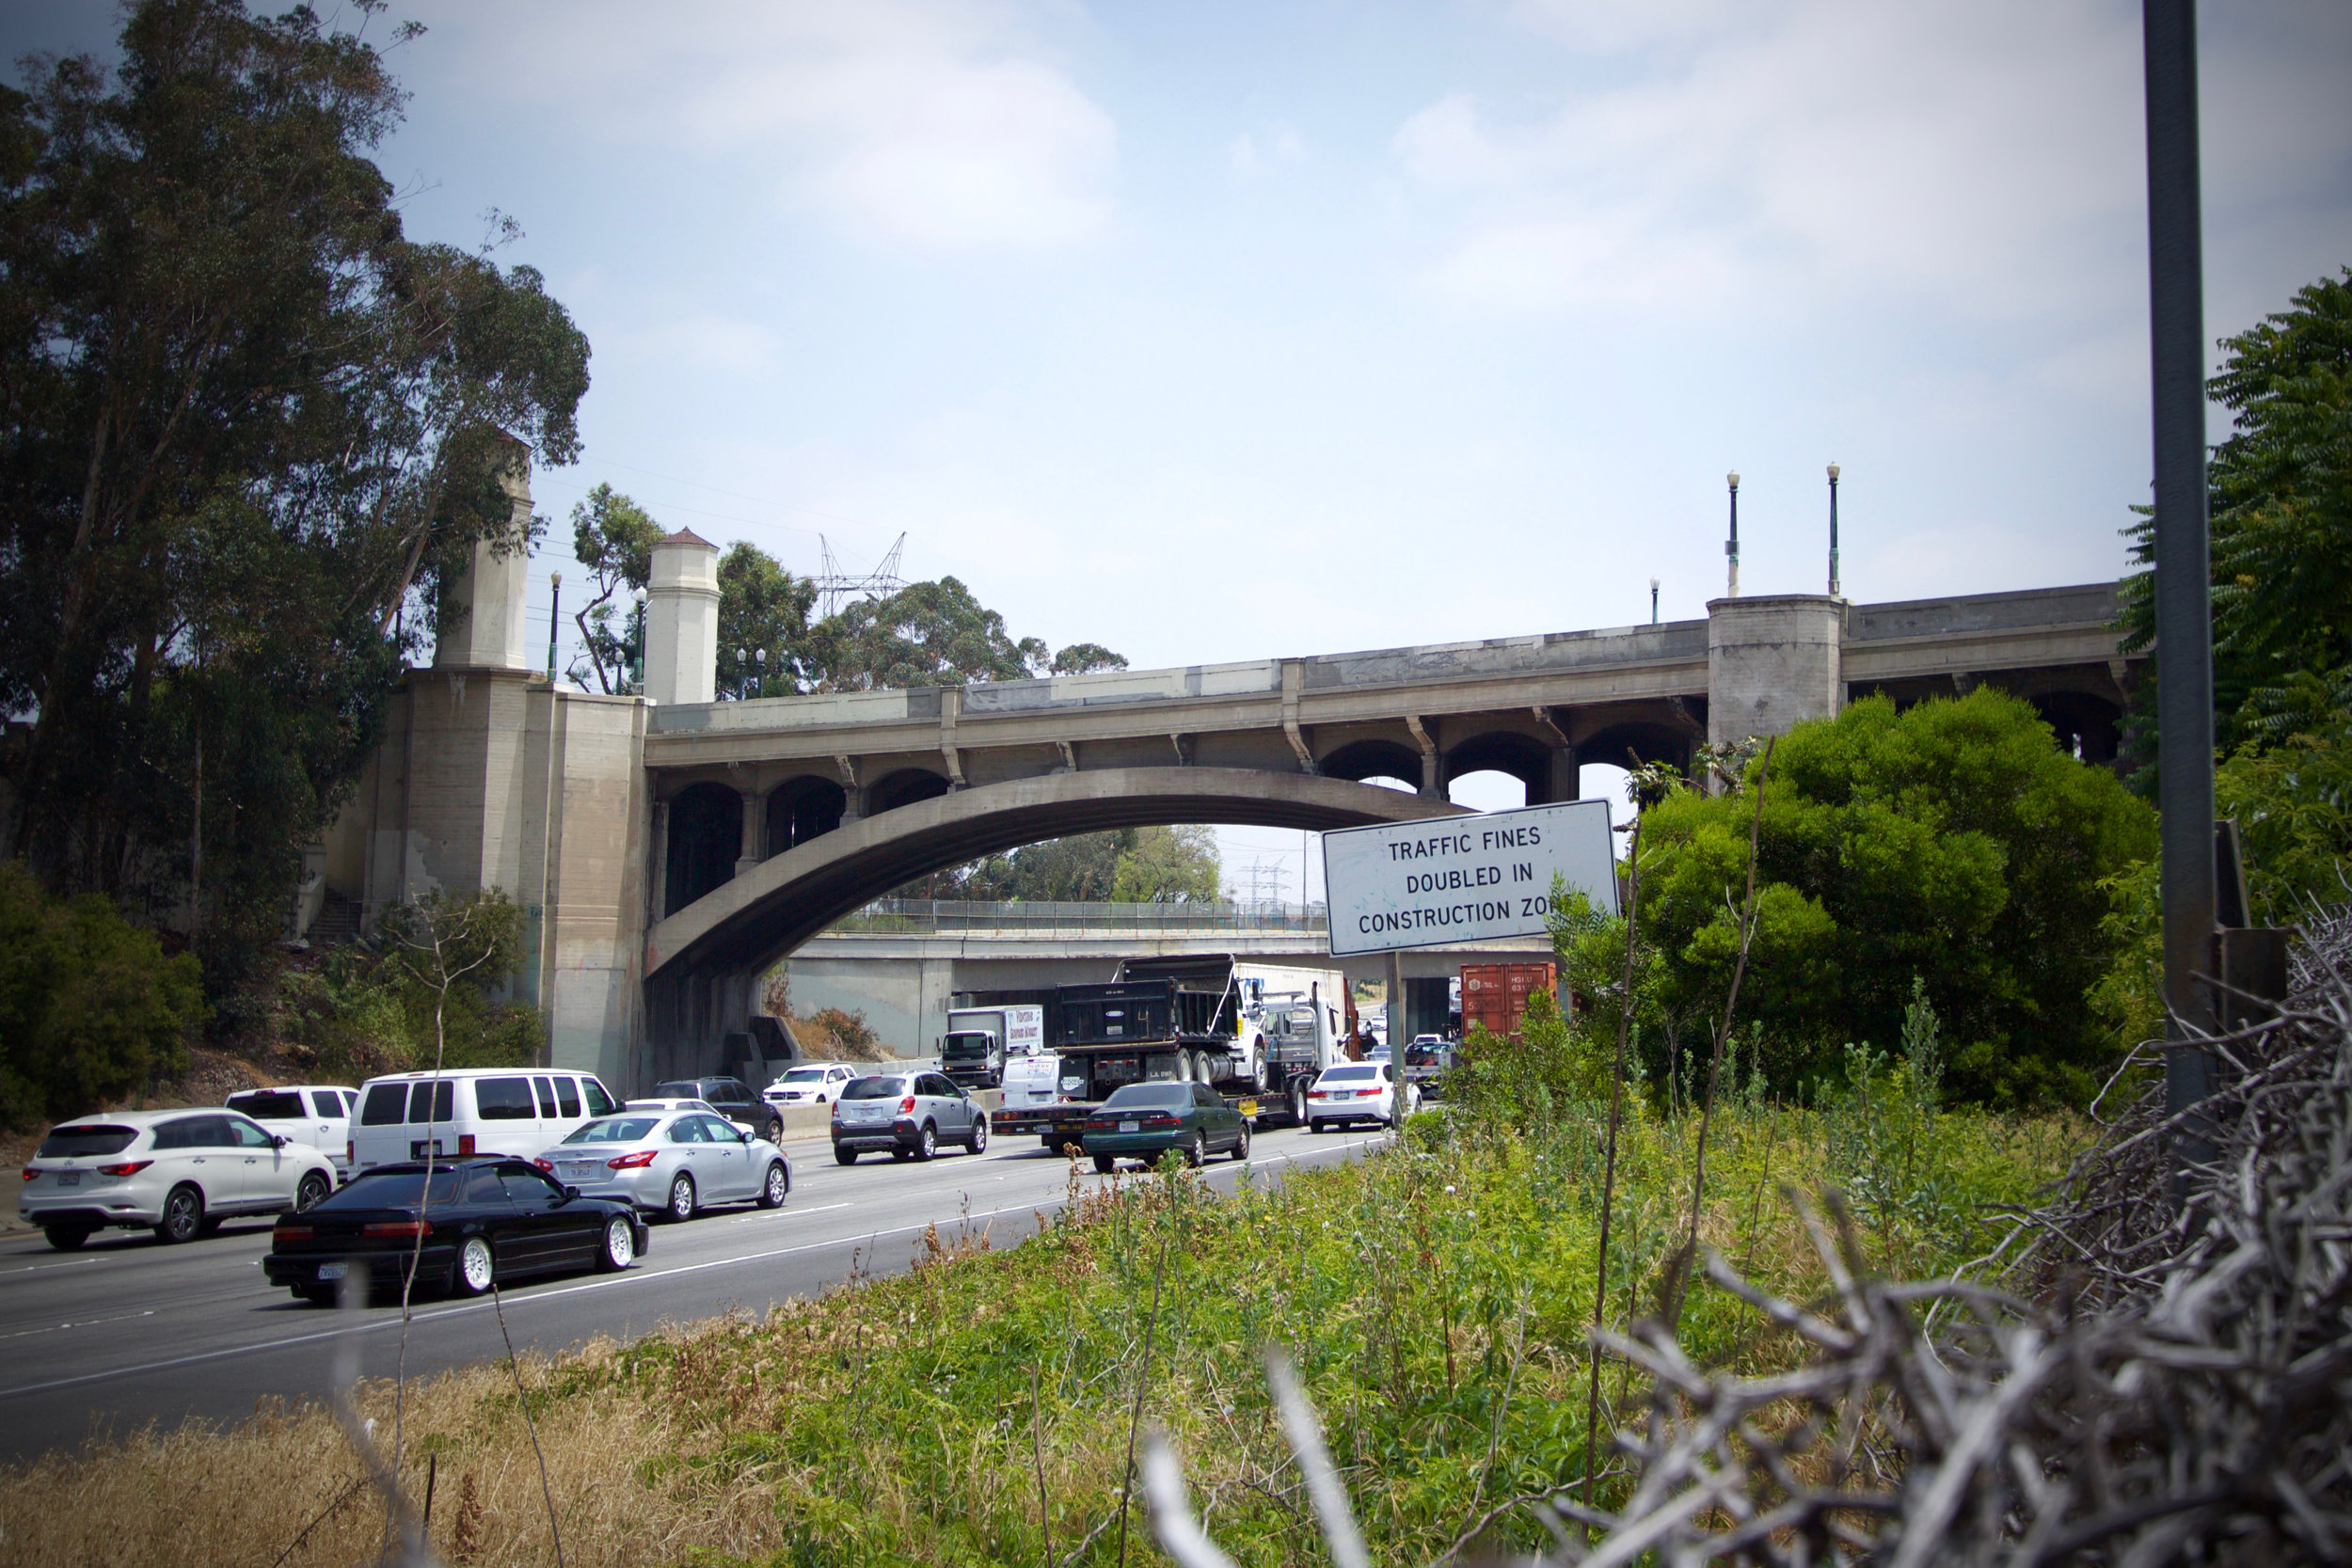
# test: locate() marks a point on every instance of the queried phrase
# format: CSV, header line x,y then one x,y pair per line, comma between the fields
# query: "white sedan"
x,y
1356,1091
673,1163
179,1173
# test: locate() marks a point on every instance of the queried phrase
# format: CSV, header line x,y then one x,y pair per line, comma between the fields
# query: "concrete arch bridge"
x,y
667,848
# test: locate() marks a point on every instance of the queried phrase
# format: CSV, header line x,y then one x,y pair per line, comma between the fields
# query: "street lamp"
x,y
1731,545
555,617
1833,530
759,682
1653,601
637,675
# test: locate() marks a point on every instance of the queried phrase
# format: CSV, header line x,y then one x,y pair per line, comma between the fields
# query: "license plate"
x,y
579,1172
421,1149
69,1179
1126,1127
332,1270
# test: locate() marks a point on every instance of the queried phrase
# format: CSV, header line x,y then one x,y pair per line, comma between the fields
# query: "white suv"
x,y
314,1114
809,1084
468,1110
179,1172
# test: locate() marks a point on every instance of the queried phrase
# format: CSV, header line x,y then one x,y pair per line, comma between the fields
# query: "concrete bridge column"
x,y
1772,663
755,830
682,621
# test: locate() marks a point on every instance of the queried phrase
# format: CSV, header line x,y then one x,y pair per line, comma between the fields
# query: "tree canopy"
x,y
2281,531
1125,865
1952,841
613,538
245,424
935,634
764,610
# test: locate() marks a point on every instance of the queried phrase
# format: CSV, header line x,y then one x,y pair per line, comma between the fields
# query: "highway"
x,y
127,1331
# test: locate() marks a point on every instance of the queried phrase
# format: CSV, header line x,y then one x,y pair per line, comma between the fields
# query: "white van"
x,y
500,1110
1033,1079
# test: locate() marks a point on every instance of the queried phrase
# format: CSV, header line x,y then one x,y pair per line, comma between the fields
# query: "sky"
x,y
1224,331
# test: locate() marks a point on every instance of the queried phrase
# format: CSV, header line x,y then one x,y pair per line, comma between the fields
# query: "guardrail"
x,y
886,916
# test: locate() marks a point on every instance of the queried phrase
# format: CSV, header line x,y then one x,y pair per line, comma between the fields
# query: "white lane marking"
x,y
68,1263
792,1214
85,1322
632,1277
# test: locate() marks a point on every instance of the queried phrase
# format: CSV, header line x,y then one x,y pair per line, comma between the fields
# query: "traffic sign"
x,y
1463,878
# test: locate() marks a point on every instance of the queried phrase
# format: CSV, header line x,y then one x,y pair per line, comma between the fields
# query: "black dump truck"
x,y
1257,1034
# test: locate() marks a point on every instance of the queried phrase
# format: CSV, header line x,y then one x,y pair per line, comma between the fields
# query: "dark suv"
x,y
730,1099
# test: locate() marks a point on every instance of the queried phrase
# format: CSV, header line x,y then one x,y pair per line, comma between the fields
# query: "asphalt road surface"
x,y
126,1332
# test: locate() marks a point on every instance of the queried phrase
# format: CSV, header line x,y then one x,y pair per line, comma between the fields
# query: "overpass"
x,y
901,962
669,849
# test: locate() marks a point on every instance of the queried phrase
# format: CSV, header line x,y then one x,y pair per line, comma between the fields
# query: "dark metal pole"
x,y
1833,530
1653,601
2183,612
555,618
1731,545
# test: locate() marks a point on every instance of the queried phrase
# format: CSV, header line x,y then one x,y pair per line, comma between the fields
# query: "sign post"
x,y
1458,878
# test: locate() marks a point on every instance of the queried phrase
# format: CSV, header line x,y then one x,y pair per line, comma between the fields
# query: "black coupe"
x,y
459,1227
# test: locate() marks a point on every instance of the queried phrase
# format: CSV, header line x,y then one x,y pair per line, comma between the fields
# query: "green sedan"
x,y
1143,1121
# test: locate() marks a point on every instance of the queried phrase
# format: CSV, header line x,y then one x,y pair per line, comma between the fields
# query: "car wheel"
x,y
1104,1164
844,1156
1298,1105
183,1216
779,1182
317,1296
980,1137
902,1154
1314,1126
313,1190
929,1145
775,1127
66,1238
682,1204
1241,1144
475,1270
1197,1153
620,1246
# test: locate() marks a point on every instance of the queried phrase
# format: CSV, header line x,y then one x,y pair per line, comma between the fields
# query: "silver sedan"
x,y
672,1163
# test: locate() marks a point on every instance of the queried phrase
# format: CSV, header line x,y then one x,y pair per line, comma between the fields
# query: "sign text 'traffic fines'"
x,y
1463,878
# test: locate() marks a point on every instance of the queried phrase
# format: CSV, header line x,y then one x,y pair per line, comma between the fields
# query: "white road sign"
x,y
1463,878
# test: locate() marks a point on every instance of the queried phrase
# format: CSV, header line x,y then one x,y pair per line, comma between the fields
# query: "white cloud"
x,y
938,124
1253,152
1979,154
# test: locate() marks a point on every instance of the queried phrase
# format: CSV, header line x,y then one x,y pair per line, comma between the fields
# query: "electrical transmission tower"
x,y
836,587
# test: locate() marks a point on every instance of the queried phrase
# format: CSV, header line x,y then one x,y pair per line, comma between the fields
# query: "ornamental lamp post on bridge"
x,y
555,618
1653,601
1731,545
1833,530
637,674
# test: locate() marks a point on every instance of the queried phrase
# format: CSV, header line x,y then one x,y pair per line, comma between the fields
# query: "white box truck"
x,y
980,1040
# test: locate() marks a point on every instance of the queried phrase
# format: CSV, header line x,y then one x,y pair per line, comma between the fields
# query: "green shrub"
x,y
90,1009
1952,842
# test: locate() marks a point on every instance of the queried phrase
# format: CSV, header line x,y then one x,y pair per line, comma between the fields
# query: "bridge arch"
x,y
703,960
1512,752
906,787
803,808
1359,760
705,831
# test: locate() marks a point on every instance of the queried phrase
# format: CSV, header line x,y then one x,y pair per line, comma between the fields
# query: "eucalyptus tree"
x,y
247,428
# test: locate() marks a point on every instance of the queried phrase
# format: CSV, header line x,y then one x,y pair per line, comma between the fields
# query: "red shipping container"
x,y
1494,996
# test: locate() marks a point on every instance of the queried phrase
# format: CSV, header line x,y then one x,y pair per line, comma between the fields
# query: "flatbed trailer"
x,y
1201,1020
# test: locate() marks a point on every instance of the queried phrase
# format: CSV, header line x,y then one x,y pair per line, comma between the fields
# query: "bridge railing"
x,y
885,916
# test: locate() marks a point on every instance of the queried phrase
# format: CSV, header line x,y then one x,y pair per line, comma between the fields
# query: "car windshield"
x,y
614,1130
74,1143
806,1075
1150,1096
393,1189
876,1088
1349,1075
